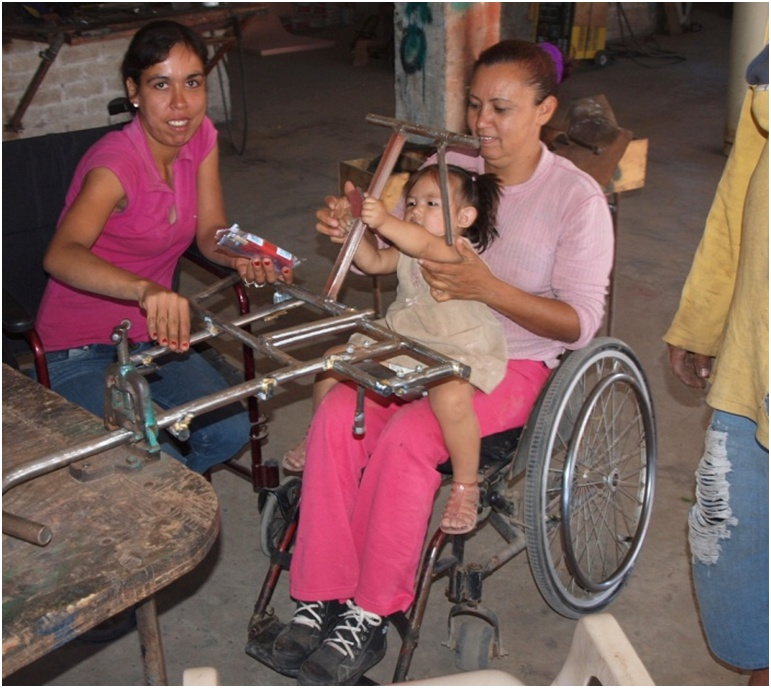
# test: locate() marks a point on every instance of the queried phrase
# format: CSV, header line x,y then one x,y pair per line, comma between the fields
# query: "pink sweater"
x,y
142,238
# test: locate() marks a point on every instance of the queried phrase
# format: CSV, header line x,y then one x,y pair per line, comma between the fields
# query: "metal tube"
x,y
437,135
23,529
444,189
345,257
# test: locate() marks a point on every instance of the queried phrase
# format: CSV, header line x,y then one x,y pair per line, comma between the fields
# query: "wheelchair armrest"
x,y
195,256
16,318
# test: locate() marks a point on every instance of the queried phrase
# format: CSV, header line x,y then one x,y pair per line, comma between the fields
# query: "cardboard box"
x,y
615,159
358,172
630,173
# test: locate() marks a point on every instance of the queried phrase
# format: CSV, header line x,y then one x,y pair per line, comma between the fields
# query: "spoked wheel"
x,y
277,509
591,453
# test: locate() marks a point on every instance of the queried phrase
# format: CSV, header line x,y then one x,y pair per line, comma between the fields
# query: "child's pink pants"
x,y
366,501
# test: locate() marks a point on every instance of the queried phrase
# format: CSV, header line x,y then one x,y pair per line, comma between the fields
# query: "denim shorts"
x,y
728,535
78,375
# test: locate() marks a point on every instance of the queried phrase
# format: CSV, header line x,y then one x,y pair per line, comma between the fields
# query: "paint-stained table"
x,y
122,529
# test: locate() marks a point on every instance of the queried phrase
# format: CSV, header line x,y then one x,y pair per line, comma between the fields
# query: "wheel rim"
x,y
567,581
605,485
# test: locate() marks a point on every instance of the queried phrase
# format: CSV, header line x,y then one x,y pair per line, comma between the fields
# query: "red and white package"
x,y
252,246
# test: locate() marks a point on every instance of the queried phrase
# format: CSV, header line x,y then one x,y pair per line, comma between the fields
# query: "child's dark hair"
x,y
480,191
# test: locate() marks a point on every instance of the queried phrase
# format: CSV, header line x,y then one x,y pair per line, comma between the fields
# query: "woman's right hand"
x,y
168,317
335,218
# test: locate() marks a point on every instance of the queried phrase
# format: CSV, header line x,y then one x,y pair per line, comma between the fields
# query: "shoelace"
x,y
309,614
353,622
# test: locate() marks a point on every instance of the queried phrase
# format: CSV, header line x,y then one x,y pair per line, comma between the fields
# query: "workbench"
x,y
122,528
91,22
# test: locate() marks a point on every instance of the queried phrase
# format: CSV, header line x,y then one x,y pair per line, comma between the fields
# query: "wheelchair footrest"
x,y
262,635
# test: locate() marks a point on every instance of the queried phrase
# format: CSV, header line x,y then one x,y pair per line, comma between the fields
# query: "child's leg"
x,y
451,403
294,459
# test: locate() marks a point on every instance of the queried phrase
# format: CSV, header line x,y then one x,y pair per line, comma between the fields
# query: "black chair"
x,y
36,174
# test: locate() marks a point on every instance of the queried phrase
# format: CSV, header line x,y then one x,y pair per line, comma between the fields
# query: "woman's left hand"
x,y
261,270
469,279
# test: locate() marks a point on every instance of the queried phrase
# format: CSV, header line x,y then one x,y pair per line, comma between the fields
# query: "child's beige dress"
x,y
466,331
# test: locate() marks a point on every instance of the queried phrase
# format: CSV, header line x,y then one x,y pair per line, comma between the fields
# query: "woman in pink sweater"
x,y
367,500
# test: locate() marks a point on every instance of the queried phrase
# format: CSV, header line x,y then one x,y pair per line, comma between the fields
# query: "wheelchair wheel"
x,y
591,449
276,511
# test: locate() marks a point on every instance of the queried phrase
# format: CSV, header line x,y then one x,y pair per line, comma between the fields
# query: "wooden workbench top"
x,y
118,537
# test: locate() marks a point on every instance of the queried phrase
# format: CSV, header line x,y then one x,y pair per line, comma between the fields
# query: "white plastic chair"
x,y
600,653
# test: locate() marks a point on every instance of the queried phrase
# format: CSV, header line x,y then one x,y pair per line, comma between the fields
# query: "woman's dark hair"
x,y
480,191
537,63
153,43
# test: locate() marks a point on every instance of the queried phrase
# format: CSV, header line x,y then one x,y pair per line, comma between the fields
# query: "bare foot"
x,y
294,459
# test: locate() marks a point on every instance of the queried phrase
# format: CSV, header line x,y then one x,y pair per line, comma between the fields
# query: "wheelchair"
x,y
574,488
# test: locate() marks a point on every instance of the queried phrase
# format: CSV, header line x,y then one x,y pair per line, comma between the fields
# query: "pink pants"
x,y
366,501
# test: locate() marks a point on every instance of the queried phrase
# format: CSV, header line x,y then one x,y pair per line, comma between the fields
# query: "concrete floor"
x,y
307,113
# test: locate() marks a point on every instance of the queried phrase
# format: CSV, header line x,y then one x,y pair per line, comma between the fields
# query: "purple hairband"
x,y
556,55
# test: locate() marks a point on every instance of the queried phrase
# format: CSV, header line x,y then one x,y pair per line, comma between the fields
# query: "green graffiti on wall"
x,y
414,46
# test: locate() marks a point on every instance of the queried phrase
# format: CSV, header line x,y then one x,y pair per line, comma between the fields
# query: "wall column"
x,y
436,44
750,20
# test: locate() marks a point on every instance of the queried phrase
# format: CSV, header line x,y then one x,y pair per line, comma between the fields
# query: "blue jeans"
x,y
78,375
728,534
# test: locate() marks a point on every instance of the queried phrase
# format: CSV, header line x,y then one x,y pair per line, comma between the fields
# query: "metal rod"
x,y
345,257
47,58
444,189
438,135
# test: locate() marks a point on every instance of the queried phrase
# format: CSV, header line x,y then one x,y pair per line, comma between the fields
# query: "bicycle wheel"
x,y
591,450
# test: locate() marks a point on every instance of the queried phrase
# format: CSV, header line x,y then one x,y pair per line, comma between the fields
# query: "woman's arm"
x,y
69,259
472,279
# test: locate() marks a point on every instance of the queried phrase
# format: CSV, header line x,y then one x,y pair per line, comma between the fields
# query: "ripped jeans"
x,y
728,536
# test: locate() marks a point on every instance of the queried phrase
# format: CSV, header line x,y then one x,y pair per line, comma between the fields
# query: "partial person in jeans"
x,y
367,500
139,198
720,335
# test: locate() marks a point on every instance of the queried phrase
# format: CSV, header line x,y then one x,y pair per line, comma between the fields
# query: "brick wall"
x,y
77,88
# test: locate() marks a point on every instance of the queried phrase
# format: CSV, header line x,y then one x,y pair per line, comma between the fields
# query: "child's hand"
x,y
373,212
